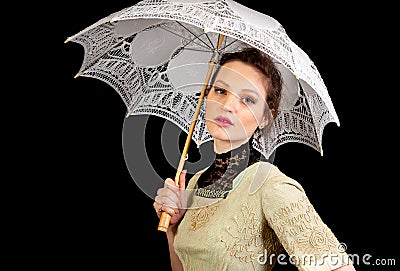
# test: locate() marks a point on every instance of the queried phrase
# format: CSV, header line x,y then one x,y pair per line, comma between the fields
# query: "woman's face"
x,y
236,104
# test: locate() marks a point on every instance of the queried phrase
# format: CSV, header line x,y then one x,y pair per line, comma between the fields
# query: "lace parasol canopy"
x,y
155,54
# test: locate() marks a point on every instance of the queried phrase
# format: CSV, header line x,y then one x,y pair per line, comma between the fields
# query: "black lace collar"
x,y
217,180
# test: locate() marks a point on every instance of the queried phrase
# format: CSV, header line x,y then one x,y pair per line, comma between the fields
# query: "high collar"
x,y
217,180
241,152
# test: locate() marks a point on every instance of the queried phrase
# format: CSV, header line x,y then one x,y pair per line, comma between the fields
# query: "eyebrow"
x,y
247,90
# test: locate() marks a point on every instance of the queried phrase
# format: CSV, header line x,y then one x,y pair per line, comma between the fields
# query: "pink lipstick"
x,y
223,121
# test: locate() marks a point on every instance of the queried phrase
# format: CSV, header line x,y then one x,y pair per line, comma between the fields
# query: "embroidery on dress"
x,y
199,217
249,237
302,231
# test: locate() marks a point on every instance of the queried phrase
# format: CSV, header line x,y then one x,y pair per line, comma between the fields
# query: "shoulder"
x,y
271,180
280,194
276,189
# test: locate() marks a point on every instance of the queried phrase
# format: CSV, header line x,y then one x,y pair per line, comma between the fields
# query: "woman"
x,y
241,211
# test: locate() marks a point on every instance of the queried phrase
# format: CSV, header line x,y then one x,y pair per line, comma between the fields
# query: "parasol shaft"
x,y
165,217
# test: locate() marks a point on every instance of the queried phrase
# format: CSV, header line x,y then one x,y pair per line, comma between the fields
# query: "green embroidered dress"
x,y
247,215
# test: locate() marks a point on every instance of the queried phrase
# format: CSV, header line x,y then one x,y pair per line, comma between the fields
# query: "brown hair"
x,y
266,66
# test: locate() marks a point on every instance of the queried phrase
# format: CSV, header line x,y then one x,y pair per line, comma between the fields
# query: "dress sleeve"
x,y
308,241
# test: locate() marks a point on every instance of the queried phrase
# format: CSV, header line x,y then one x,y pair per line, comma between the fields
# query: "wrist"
x,y
172,229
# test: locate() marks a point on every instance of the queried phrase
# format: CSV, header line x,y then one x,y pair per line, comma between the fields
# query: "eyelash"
x,y
245,100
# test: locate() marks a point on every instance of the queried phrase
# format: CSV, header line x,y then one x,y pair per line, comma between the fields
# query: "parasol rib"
x,y
196,37
165,217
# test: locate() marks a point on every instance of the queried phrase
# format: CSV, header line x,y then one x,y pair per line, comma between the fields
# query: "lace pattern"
x,y
115,47
217,180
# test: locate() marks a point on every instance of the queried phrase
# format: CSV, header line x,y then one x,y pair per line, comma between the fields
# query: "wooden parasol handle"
x,y
165,217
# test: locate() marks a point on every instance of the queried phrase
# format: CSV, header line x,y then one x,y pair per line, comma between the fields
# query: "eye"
x,y
219,90
248,100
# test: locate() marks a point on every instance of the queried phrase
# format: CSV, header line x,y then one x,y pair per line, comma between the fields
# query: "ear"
x,y
265,119
263,122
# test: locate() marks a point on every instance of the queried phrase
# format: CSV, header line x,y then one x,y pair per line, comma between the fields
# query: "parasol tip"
x,y
78,74
67,40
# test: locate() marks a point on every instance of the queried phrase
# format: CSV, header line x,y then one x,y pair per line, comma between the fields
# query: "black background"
x,y
86,211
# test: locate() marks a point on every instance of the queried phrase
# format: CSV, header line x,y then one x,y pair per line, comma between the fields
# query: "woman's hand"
x,y
171,199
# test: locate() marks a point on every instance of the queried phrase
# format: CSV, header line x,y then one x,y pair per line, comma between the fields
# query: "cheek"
x,y
252,116
250,123
246,122
210,106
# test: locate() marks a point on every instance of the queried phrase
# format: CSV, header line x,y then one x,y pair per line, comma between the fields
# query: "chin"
x,y
217,132
220,133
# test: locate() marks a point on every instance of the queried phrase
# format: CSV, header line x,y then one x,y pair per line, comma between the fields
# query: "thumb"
x,y
182,179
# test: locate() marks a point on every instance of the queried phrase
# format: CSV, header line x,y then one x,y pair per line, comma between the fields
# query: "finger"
x,y
182,179
170,184
167,196
156,206
165,208
171,201
171,187
171,211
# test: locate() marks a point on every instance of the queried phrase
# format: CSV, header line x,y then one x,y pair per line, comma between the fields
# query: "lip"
x,y
223,121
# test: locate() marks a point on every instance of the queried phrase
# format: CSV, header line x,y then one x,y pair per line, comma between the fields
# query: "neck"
x,y
222,146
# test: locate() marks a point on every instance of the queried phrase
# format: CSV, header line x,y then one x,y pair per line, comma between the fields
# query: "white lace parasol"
x,y
155,54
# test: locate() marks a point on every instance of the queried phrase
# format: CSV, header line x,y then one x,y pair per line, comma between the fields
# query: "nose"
x,y
230,102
